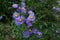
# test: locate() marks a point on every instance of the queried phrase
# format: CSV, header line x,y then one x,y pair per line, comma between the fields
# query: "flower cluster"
x,y
21,19
28,32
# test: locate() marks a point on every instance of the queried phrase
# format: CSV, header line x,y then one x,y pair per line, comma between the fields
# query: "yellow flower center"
x,y
14,4
16,15
39,34
31,17
30,12
20,20
29,30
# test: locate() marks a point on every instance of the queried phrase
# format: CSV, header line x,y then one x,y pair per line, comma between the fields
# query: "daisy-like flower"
x,y
29,23
56,9
29,30
20,20
15,5
39,34
23,4
31,17
30,12
15,15
35,30
26,34
23,10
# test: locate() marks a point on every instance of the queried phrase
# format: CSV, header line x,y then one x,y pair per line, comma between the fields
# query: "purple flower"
x,y
20,20
15,5
29,30
39,34
56,9
35,30
1,17
15,15
23,4
23,10
31,17
29,23
27,33
30,12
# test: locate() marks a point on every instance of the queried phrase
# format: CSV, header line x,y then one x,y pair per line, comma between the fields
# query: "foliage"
x,y
46,20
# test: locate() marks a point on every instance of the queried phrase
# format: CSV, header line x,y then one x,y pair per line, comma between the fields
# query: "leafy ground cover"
x,y
47,20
